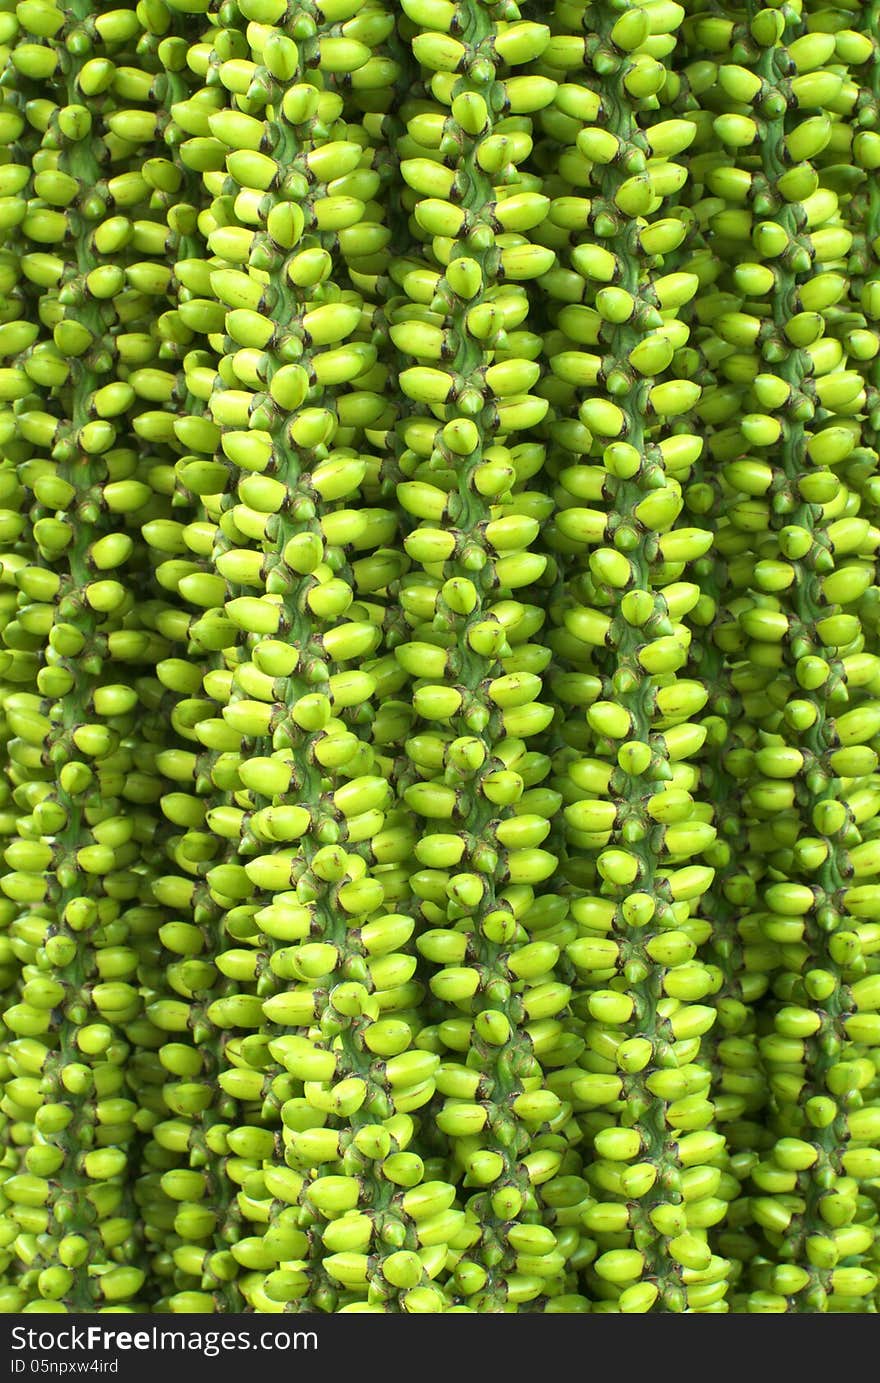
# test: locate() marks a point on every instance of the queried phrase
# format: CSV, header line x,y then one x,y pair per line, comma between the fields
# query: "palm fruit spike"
x,y
18,663
863,298
187,1200
302,715
732,933
125,789
364,70
70,860
860,49
183,1191
19,140
802,859
118,819
744,483
411,1220
476,782
735,943
128,779
559,1042
801,620
186,1191
41,362
636,831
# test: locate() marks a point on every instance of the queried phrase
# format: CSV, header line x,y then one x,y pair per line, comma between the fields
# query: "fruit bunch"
x,y
439,656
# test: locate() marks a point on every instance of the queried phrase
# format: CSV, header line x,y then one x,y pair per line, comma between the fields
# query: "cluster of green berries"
x,y
439,656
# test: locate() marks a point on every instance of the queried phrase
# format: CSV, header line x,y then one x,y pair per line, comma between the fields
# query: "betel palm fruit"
x,y
116,816
863,299
187,1199
745,960
44,366
815,712
859,469
745,965
19,665
70,861
476,783
636,825
739,1087
327,1064
438,657
188,1189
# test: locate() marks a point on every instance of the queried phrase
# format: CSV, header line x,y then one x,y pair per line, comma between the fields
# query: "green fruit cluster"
x,y
439,656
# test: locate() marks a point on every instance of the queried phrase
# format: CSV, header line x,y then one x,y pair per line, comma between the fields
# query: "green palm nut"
x,y
334,1195
403,1269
